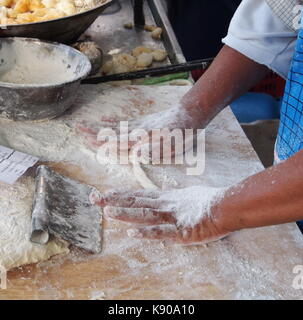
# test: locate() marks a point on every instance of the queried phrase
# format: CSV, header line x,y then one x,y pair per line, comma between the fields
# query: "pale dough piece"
x,y
123,63
15,227
142,177
139,50
150,28
157,33
119,68
159,55
140,174
125,59
128,25
145,60
108,67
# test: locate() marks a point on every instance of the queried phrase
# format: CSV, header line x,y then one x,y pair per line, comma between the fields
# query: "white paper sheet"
x,y
14,164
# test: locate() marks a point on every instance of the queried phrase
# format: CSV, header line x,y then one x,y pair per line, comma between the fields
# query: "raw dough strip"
x,y
139,172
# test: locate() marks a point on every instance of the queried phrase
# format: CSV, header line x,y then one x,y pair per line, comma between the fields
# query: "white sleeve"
x,y
259,34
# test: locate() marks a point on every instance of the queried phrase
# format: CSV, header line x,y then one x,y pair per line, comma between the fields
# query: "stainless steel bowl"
x,y
38,79
65,30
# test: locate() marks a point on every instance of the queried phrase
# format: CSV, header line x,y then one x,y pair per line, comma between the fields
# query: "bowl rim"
x,y
54,20
84,73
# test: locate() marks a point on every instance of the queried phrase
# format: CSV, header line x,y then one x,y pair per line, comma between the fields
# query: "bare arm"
x,y
274,196
230,76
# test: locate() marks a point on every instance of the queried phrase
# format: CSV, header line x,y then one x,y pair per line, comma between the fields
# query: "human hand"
x,y
170,119
186,216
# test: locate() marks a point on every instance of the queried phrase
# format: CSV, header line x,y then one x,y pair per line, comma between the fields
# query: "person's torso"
x,y
290,136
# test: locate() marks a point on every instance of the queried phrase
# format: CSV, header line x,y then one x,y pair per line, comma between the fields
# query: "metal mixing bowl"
x,y
38,79
65,30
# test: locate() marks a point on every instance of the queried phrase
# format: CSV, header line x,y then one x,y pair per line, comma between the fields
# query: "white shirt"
x,y
259,34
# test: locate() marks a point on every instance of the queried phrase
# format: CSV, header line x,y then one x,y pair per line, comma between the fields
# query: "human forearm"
x,y
230,75
274,196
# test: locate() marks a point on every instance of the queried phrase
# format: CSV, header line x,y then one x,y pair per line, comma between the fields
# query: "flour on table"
x,y
98,295
15,225
58,141
236,268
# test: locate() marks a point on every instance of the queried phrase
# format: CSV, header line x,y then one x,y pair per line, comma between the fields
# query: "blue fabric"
x,y
290,137
255,106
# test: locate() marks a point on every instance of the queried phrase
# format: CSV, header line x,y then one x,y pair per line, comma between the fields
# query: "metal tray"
x,y
65,30
169,38
108,32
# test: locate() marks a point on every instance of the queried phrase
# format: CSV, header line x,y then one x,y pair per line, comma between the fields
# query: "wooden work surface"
x,y
249,264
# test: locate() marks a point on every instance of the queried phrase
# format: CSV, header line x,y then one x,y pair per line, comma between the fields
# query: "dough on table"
x,y
145,60
15,227
159,55
157,33
123,63
107,67
150,28
139,50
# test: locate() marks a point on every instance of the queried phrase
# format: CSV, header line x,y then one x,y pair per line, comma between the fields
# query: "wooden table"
x,y
249,264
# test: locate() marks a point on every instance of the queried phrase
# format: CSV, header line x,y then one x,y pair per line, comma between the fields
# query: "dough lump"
x,y
159,55
15,227
145,60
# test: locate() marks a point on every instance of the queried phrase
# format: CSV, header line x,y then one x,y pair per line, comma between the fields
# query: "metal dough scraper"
x,y
62,208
